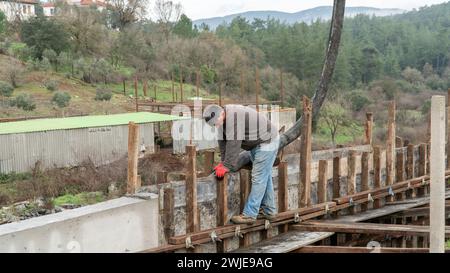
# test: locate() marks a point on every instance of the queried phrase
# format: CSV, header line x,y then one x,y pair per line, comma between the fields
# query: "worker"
x,y
242,127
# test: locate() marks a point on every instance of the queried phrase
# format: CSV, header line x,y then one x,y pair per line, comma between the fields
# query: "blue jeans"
x,y
262,194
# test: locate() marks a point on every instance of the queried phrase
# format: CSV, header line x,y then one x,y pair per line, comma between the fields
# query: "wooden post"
x,y
222,210
124,88
323,181
377,173
390,147
281,89
136,93
400,166
161,177
283,193
144,88
368,129
437,175
257,88
220,93
245,187
448,129
133,153
209,161
422,166
197,83
305,155
351,176
192,224
169,205
364,175
154,92
173,87
181,84
336,176
410,167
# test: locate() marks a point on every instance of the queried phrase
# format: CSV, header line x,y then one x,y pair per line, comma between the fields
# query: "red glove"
x,y
221,171
220,165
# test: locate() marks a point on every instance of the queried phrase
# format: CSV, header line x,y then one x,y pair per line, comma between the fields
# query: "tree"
x,y
40,33
122,13
412,75
25,102
427,70
51,55
2,22
167,13
183,27
335,117
62,100
6,89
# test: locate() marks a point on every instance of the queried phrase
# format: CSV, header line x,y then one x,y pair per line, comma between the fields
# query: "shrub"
x,y
51,85
103,94
359,101
6,89
24,101
61,99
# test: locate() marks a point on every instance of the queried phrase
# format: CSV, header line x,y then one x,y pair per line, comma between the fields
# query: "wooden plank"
x,y
368,129
400,167
365,228
192,224
343,249
305,155
283,192
222,210
285,242
365,175
377,173
390,146
410,162
323,181
351,177
133,153
336,176
169,205
423,155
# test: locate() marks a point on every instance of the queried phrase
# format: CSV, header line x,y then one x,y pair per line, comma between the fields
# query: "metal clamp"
x,y
391,192
266,224
237,232
370,198
214,237
296,218
189,242
351,202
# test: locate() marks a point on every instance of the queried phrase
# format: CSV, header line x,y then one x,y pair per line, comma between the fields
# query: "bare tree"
x,y
125,12
168,14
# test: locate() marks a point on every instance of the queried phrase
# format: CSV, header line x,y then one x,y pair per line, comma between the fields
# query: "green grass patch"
x,y
80,199
447,245
12,177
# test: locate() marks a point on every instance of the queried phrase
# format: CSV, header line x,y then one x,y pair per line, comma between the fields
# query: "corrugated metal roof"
x,y
39,125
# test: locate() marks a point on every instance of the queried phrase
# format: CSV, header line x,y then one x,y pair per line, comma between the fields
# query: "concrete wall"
x,y
120,225
64,148
205,137
206,191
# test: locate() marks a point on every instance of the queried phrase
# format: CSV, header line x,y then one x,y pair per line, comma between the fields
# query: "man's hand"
x,y
221,170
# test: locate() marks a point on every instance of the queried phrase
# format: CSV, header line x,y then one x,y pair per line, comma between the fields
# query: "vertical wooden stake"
x,y
222,210
422,166
351,176
323,181
124,88
437,175
154,93
172,87
169,205
181,84
390,147
336,176
364,175
448,129
305,155
136,93
245,187
283,192
281,89
209,161
257,88
377,173
410,167
144,87
192,224
400,166
368,129
133,153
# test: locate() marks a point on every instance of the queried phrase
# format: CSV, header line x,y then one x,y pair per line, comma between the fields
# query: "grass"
x,y
80,199
9,178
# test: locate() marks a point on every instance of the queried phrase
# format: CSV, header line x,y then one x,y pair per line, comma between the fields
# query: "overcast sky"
x,y
198,9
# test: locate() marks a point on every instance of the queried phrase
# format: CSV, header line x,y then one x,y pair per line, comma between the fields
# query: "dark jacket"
x,y
243,128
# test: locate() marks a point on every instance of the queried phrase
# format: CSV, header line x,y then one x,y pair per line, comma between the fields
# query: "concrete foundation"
x,y
116,226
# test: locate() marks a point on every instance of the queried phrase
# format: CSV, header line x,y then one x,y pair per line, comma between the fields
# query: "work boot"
x,y
242,219
263,215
